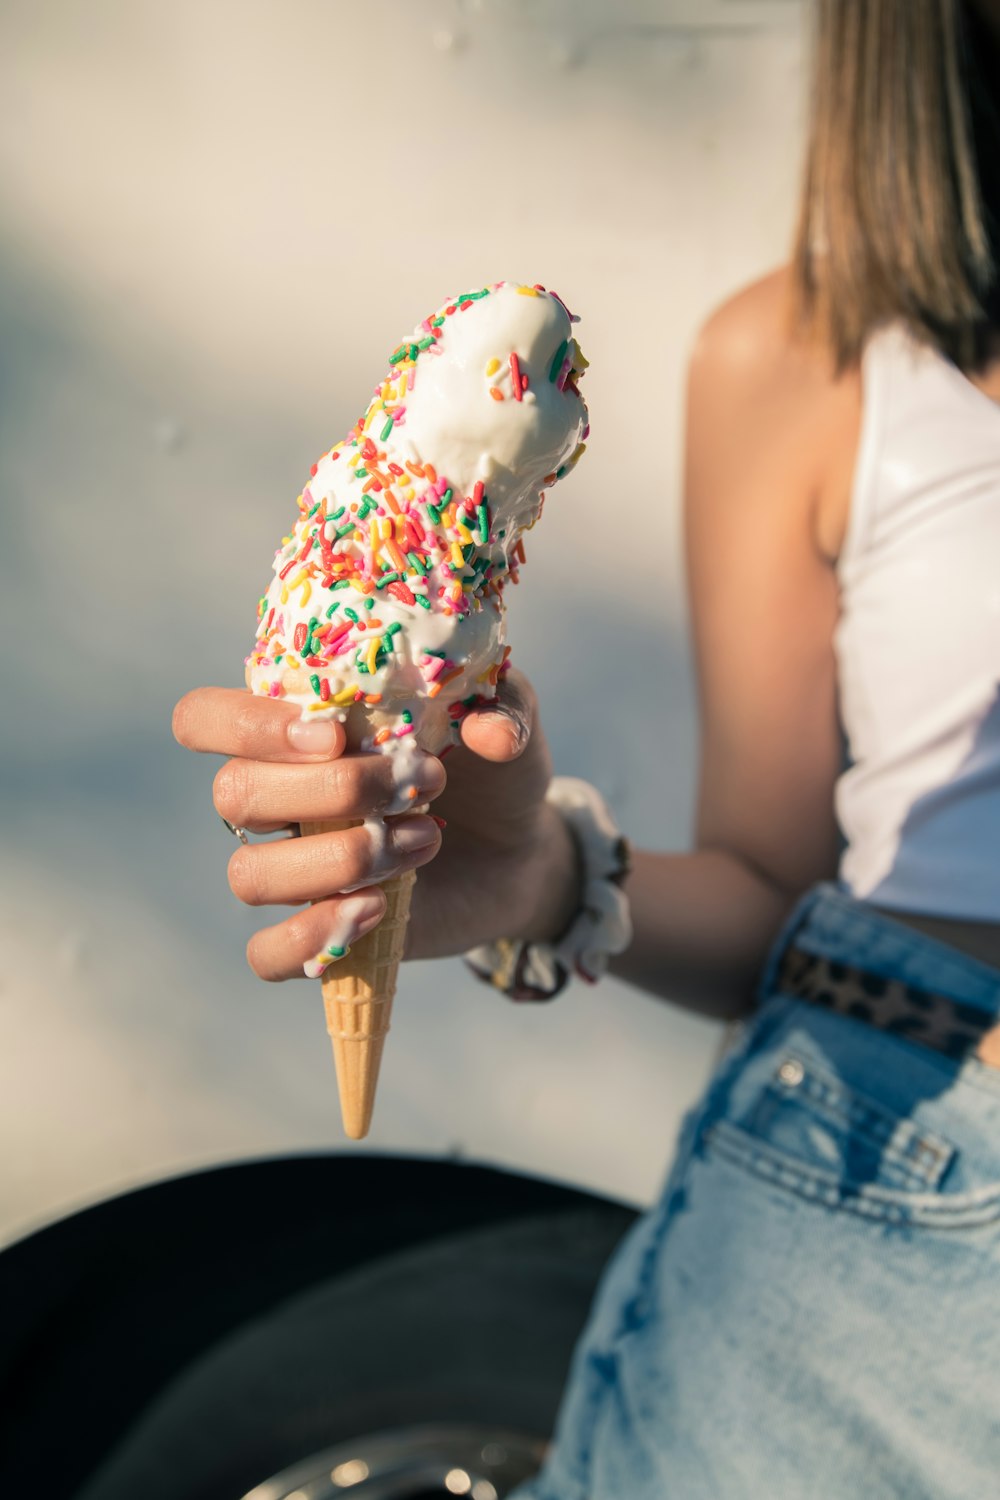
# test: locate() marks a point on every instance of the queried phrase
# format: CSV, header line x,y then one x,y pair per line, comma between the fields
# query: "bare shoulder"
x,y
752,337
760,309
778,396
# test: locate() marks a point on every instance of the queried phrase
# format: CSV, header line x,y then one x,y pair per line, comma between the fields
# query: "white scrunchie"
x,y
602,926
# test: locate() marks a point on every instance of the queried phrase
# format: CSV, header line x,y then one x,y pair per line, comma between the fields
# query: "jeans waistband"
x,y
829,921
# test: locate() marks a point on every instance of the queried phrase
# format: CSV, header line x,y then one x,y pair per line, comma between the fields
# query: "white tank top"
x,y
918,639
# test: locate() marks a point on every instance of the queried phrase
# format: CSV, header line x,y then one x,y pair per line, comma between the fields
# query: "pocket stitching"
x,y
815,1184
902,1142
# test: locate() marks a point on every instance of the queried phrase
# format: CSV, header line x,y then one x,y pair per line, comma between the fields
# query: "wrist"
x,y
553,889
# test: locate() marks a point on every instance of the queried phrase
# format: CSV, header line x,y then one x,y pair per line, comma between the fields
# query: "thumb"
x,y
500,731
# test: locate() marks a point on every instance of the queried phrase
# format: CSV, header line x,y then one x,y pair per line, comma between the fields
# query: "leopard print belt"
x,y
932,1020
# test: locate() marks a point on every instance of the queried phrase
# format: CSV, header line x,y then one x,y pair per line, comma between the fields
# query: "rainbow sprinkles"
x,y
386,607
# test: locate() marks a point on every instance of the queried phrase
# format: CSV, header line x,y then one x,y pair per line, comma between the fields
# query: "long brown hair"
x,y
899,197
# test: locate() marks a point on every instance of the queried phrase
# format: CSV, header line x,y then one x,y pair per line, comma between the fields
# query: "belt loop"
x,y
795,919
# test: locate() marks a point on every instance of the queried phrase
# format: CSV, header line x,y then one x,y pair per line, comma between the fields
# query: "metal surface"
x,y
412,1463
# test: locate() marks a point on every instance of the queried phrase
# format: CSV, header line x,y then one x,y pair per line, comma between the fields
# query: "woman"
x,y
812,1307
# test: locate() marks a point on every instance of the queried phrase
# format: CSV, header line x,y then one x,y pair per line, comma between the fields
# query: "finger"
x,y
232,721
310,937
307,869
500,730
258,794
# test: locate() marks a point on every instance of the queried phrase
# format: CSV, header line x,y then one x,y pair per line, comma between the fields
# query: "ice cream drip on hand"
x,y
315,968
386,609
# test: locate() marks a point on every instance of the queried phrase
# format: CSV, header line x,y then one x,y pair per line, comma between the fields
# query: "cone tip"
x,y
357,1116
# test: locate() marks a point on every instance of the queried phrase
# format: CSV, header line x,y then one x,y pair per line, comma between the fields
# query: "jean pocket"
x,y
808,1131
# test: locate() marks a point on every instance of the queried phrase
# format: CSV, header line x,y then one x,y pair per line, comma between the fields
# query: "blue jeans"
x,y
812,1309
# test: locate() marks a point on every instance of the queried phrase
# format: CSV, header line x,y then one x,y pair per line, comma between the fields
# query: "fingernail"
x,y
430,774
413,834
517,727
312,737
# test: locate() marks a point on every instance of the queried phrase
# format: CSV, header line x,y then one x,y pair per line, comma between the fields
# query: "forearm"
x,y
703,923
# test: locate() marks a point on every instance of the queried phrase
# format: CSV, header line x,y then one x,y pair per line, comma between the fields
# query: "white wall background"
x,y
219,216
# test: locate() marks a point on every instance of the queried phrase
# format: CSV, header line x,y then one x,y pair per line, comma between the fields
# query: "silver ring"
x,y
240,833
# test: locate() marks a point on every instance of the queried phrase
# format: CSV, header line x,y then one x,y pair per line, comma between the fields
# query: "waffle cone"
x,y
357,995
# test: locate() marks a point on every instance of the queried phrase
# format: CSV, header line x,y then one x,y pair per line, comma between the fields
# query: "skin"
x,y
771,440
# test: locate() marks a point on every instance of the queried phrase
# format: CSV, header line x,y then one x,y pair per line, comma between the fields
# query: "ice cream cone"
x,y
358,992
386,607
